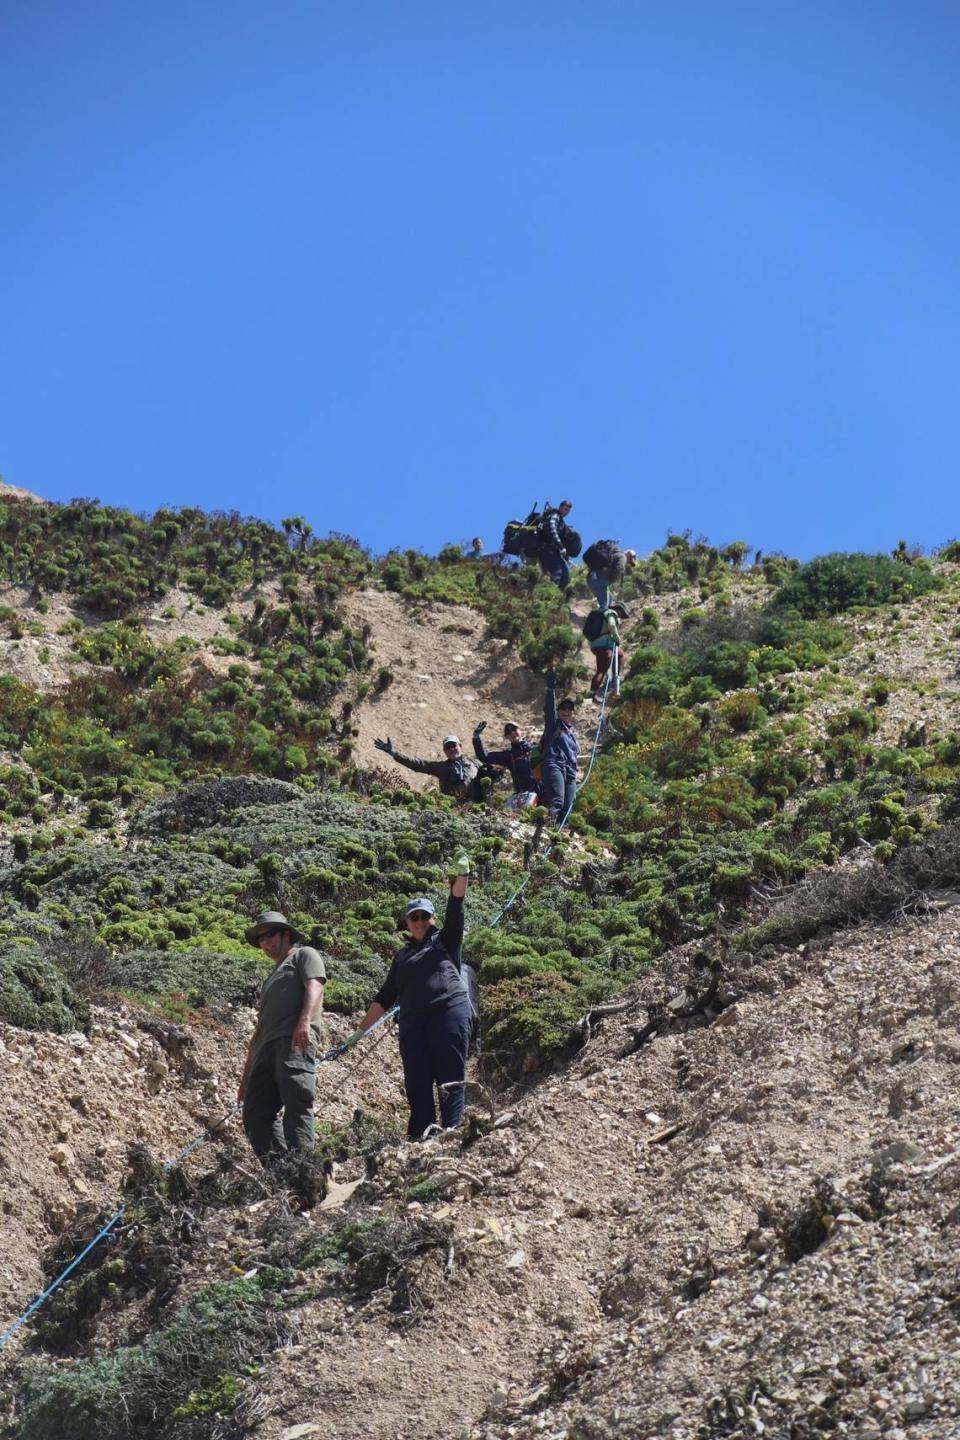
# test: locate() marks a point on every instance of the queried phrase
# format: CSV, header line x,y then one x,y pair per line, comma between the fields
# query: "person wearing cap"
x,y
436,1021
457,775
281,1065
560,750
605,645
517,758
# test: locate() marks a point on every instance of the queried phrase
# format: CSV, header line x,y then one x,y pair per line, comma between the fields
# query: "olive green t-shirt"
x,y
281,998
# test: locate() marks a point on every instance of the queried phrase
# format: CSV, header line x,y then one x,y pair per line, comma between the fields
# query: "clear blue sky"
x,y
405,267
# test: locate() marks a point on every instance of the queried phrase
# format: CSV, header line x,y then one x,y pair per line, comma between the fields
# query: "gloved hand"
x,y
551,678
460,864
480,728
348,1044
385,745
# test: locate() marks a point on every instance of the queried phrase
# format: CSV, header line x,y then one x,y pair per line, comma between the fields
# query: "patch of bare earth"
x,y
449,673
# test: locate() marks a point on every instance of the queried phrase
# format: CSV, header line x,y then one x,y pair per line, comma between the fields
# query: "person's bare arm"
x,y
374,1013
312,996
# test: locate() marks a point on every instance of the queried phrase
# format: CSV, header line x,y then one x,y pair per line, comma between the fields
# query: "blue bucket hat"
x,y
421,904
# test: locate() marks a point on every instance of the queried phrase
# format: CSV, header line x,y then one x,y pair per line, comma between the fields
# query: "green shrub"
x,y
122,1393
34,993
835,583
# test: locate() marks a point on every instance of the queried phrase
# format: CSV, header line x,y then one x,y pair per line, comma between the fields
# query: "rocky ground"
x,y
743,1228
746,1229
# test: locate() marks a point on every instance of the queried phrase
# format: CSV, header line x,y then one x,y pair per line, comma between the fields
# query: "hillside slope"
x,y
720,1205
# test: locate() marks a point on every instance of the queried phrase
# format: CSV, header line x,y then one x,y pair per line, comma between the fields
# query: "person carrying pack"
x,y
606,563
437,1018
602,632
554,550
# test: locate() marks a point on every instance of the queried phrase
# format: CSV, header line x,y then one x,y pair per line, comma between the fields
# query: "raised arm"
x,y
422,767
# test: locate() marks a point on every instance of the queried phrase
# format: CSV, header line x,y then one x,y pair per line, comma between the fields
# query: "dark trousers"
x,y
433,1048
281,1079
557,568
558,789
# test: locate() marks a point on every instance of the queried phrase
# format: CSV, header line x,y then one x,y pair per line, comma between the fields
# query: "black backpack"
x,y
570,539
593,625
606,555
522,537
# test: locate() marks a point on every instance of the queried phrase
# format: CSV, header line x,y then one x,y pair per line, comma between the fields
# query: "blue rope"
x,y
115,1219
330,1055
118,1215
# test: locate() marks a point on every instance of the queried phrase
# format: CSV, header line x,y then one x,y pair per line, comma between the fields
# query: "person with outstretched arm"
x,y
518,758
560,750
436,1017
457,774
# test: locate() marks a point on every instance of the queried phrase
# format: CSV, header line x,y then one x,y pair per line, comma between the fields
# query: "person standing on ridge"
x,y
436,1020
517,759
606,563
553,554
281,1066
561,751
458,776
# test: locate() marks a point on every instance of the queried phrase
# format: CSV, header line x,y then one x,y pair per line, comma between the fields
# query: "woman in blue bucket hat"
x,y
436,1018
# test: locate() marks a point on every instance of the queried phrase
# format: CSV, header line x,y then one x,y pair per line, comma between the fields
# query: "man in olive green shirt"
x,y
280,1072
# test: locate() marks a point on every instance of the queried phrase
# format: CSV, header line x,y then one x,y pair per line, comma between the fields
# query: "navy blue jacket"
x,y
427,976
516,760
559,745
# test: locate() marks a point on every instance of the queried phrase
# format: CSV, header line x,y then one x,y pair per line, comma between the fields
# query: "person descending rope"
x,y
603,634
606,563
518,759
560,751
553,551
280,1071
437,1019
458,776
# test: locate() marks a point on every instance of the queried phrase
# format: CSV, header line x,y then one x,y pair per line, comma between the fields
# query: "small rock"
x,y
296,1432
760,1302
517,1260
63,1157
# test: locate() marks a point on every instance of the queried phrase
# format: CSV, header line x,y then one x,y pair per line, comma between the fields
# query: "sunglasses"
x,y
511,730
452,746
419,915
269,934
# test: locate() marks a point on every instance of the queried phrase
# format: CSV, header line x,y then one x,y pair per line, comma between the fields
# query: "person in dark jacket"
x,y
606,563
553,555
427,981
517,758
560,750
457,775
